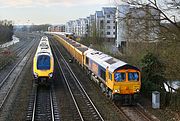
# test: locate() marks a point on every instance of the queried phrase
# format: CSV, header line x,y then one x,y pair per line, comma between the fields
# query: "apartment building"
x,y
56,28
83,27
109,22
99,23
69,27
91,23
136,24
121,12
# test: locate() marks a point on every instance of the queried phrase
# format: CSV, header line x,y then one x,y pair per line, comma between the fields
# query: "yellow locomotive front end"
x,y
126,82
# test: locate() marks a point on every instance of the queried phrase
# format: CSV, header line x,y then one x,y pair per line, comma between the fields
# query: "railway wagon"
x,y
43,62
66,43
115,77
74,48
79,54
72,44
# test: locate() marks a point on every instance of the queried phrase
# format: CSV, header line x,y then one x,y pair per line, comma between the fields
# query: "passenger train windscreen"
x,y
43,62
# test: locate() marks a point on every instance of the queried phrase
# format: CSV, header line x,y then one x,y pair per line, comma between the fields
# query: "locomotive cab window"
x,y
119,76
87,60
133,76
43,62
110,76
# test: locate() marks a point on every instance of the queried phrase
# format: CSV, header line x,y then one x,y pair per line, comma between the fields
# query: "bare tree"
x,y
142,24
6,31
168,10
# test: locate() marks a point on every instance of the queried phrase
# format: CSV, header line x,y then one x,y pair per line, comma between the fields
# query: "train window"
x,y
110,76
133,76
103,74
43,62
87,60
119,77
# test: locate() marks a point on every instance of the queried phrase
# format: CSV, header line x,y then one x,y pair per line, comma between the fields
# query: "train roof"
x,y
43,50
43,53
44,38
77,45
107,61
82,49
43,47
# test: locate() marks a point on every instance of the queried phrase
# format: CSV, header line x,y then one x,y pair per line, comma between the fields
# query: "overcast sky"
x,y
49,11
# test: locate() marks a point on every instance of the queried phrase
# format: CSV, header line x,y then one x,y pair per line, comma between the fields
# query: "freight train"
x,y
43,62
115,77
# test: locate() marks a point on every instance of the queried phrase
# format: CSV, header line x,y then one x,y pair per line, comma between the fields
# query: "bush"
x,y
152,74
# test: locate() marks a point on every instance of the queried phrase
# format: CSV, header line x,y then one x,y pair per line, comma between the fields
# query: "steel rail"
x,y
15,80
73,98
1,84
52,107
74,76
34,105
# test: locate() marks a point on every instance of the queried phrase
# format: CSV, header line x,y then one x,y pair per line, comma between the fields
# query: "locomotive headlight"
x,y
116,90
137,90
35,75
50,75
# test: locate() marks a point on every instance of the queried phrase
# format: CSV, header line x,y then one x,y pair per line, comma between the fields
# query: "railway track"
x,y
123,116
7,84
43,105
132,113
17,50
86,110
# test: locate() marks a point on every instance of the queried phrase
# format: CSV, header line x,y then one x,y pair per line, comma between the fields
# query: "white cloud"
x,y
12,3
68,3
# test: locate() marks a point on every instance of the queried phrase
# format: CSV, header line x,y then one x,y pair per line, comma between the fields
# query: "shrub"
x,y
152,74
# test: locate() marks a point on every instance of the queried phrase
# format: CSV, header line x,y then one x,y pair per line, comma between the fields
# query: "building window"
x,y
102,33
108,16
108,21
114,27
114,33
108,27
108,33
101,24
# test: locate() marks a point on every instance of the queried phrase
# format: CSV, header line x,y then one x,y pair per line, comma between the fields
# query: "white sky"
x,y
52,11
48,11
